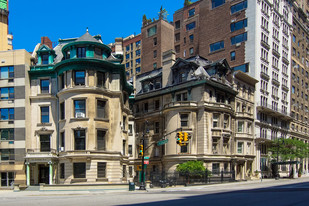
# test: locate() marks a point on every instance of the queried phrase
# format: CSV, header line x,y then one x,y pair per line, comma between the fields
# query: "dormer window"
x,y
45,58
81,52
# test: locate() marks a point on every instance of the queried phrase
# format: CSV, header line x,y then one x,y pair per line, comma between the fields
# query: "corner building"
x,y
79,115
204,99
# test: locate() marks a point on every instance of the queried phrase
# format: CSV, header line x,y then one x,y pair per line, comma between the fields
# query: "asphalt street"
x,y
283,192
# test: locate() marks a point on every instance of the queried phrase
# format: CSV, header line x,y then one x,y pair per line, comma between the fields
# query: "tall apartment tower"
x,y
255,37
132,55
5,37
14,109
300,76
157,38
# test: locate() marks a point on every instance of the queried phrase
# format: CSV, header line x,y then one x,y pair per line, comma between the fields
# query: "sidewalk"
x,y
263,183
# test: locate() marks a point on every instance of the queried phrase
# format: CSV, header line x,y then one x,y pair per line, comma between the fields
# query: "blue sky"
x,y
30,20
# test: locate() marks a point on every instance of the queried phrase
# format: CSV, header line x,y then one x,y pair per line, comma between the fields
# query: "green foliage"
x,y
187,3
289,149
145,20
163,13
191,167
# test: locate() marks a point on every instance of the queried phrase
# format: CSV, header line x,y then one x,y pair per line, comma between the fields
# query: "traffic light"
x,y
141,150
179,138
185,137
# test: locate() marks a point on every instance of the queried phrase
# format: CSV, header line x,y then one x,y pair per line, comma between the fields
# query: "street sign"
x,y
162,142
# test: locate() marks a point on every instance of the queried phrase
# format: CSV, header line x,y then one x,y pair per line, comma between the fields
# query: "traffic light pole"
x,y
142,186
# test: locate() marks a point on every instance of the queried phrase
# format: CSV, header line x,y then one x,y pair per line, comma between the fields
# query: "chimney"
x,y
45,40
168,60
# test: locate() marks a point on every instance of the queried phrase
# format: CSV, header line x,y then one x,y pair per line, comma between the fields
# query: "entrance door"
x,y
43,174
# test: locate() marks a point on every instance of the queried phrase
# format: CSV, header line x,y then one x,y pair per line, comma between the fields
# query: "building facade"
x,y
196,96
299,77
5,38
256,38
79,115
14,109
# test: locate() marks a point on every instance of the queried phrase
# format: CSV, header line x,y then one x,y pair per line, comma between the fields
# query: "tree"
x,y
145,20
191,169
187,3
163,13
288,149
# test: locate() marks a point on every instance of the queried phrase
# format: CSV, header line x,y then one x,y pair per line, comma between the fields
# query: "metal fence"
x,y
176,178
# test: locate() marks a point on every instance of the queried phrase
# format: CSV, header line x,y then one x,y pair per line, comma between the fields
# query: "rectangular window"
x,y
190,26
184,120
240,126
81,52
101,169
215,168
45,143
243,68
124,120
62,81
45,58
191,37
6,72
191,12
101,109
239,38
62,110
79,108
101,139
152,31
240,146
191,50
157,127
79,170
216,3
124,170
6,134
7,179
138,52
80,139
100,79
233,55
62,175
215,120
177,24
155,54
130,150
216,46
138,43
44,86
137,70
44,114
138,61
184,149
155,41
62,140
7,114
7,154
7,93
238,7
79,77
177,48
238,25
177,37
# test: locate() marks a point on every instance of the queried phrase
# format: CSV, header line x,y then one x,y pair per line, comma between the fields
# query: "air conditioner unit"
x,y
61,149
80,115
238,44
233,20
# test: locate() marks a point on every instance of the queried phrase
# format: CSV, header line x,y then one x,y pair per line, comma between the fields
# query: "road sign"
x,y
162,142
